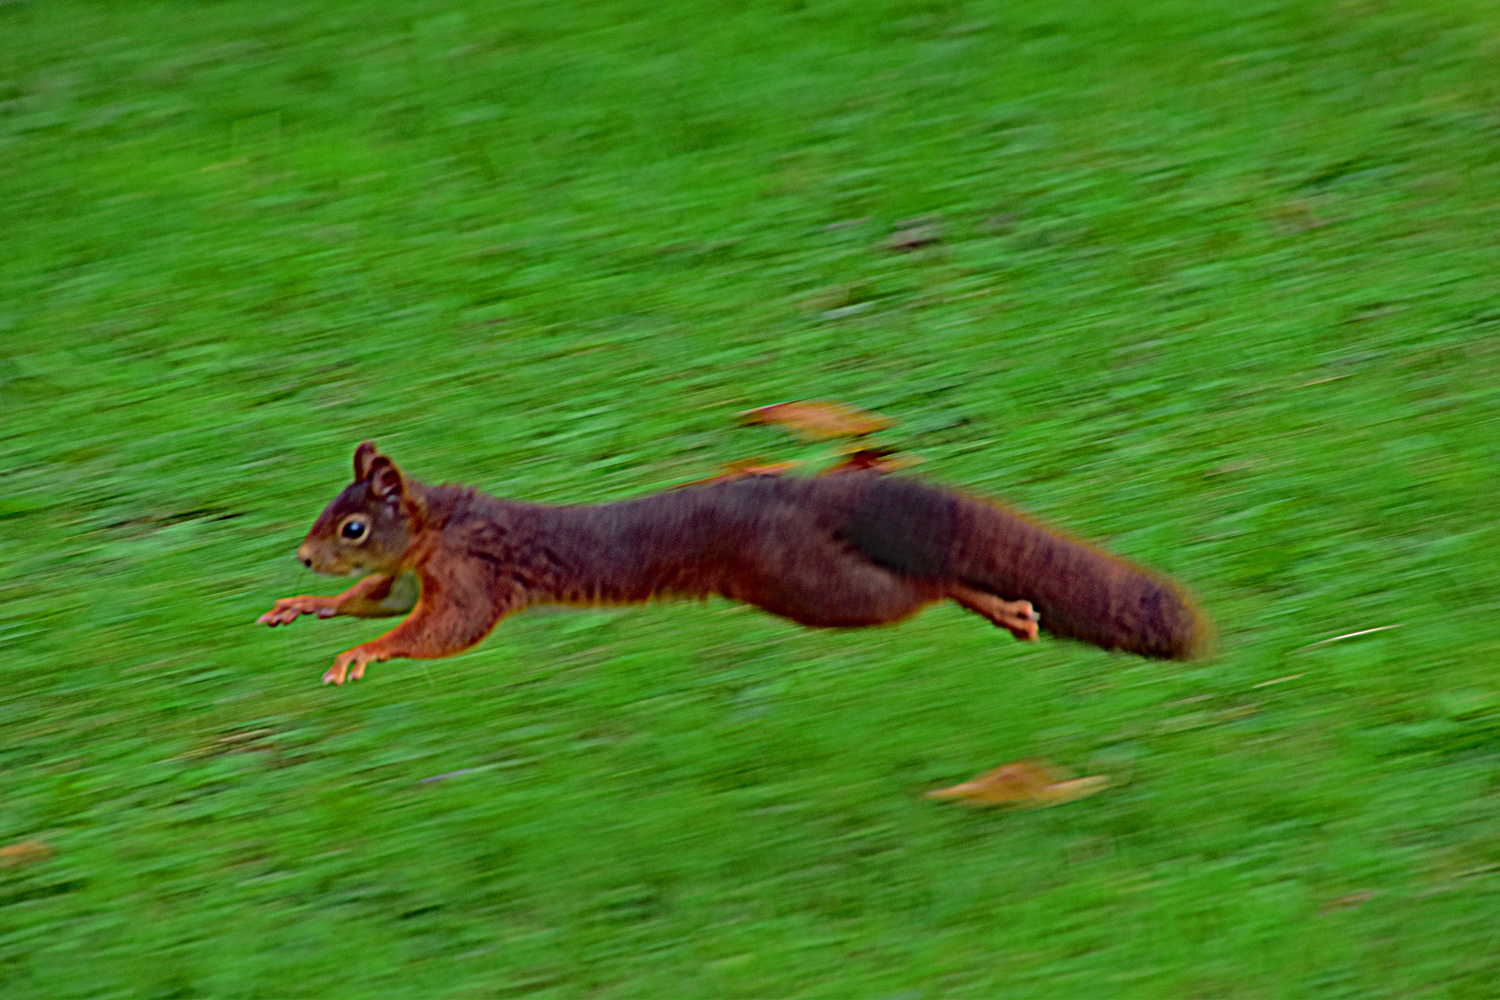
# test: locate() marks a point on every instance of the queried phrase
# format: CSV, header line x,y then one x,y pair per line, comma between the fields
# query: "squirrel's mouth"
x,y
319,563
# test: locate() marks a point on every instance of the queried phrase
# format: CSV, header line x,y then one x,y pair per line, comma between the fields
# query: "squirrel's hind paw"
x,y
1019,618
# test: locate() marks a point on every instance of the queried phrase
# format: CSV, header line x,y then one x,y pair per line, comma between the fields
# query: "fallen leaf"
x,y
1000,224
743,470
913,234
1346,902
865,459
239,742
816,421
1024,784
914,238
26,852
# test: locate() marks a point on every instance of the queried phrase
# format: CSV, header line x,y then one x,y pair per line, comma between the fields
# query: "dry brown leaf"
x,y
25,852
816,421
914,234
1025,784
883,460
1347,902
744,469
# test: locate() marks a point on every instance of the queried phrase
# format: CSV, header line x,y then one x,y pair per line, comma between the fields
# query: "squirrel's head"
x,y
370,524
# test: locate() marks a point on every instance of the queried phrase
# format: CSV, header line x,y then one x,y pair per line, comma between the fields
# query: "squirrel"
x,y
849,549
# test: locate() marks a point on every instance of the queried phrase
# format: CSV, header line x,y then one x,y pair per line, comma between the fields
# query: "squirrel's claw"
x,y
287,609
349,665
277,616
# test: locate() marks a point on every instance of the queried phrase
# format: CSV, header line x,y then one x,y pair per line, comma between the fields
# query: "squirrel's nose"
x,y
304,557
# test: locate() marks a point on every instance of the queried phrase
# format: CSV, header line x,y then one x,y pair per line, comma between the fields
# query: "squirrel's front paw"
x,y
350,661
288,608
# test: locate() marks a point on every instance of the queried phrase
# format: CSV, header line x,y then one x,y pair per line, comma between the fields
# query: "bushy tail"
x,y
1078,590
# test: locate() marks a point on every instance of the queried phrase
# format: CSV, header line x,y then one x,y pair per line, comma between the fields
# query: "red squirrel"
x,y
848,549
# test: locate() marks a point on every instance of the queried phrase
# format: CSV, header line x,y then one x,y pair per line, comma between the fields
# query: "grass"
x,y
1216,286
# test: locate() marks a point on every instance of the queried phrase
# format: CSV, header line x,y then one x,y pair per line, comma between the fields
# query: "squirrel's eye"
x,y
354,528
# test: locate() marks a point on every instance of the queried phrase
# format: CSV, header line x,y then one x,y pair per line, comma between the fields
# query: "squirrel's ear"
x,y
370,466
385,479
364,457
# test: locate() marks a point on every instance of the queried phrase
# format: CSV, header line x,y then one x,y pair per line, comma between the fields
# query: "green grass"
x,y
1217,287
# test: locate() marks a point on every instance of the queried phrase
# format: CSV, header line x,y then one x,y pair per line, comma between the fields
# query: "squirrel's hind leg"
x,y
1017,617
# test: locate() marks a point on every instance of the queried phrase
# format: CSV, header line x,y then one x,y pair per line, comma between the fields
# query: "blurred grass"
x,y
1216,285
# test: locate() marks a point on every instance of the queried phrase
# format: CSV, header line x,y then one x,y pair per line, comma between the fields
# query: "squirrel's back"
x,y
796,546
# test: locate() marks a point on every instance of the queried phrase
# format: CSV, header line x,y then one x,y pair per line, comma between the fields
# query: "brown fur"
x,y
852,549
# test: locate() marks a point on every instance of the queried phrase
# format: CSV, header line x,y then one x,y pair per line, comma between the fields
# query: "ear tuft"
x,y
364,457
